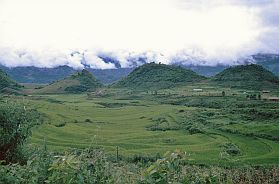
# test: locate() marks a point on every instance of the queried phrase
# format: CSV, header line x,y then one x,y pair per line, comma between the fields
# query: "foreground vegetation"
x,y
92,166
148,124
24,164
202,132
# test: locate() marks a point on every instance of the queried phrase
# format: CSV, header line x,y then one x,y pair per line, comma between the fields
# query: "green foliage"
x,y
90,166
6,82
231,149
247,77
78,82
35,171
165,170
118,121
158,76
76,89
194,130
87,82
211,128
15,126
62,124
162,124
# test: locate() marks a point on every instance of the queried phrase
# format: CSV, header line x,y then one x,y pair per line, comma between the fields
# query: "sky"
x,y
50,33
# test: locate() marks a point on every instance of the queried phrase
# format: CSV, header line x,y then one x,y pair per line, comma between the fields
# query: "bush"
x,y
194,130
231,149
90,166
33,172
15,126
143,158
61,124
165,170
88,121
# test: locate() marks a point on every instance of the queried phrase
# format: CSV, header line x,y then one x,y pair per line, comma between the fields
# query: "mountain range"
x,y
152,76
32,74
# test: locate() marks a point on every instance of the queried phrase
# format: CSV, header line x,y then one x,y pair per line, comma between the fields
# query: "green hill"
x,y
247,77
158,76
7,84
76,83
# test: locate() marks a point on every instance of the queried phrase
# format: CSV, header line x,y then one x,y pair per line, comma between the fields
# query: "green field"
x,y
144,123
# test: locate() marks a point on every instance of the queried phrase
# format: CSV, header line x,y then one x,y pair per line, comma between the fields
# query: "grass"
x,y
124,119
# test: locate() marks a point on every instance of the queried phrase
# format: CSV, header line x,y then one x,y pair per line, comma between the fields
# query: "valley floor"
x,y
212,129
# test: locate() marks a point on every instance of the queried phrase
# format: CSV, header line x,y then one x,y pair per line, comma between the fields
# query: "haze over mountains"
x,y
152,76
31,74
199,35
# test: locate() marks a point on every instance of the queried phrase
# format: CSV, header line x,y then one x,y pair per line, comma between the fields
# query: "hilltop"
x,y
78,82
158,76
250,76
7,85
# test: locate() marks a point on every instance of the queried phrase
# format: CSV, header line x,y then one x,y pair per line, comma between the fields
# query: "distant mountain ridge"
x,y
158,76
32,74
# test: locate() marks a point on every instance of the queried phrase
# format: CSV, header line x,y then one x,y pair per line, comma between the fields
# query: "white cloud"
x,y
91,59
215,31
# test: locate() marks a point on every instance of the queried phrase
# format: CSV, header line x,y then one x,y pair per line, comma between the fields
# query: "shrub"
x,y
88,120
33,172
60,124
15,126
91,166
143,158
165,170
231,149
194,130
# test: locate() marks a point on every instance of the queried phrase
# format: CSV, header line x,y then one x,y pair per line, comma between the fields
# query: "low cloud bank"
x,y
98,59
186,32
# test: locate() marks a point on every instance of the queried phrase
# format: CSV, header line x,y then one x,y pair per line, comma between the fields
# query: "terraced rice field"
x,y
75,121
